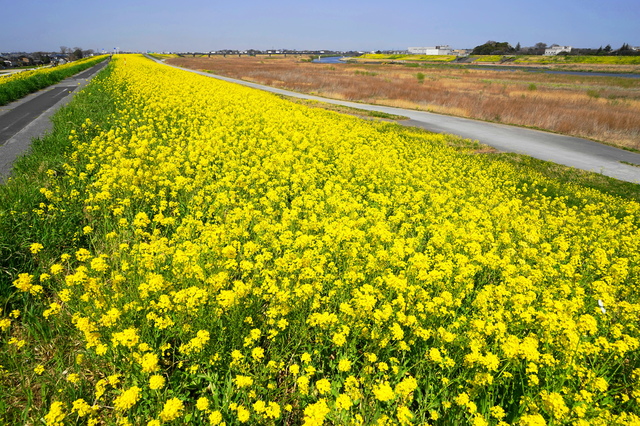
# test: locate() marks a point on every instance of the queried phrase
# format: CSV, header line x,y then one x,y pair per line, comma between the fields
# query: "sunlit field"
x,y
204,253
601,108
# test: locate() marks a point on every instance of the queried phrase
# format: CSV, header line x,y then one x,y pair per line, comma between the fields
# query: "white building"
x,y
554,50
436,50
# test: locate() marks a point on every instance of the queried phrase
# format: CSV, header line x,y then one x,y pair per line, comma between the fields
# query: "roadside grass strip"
x,y
19,85
229,257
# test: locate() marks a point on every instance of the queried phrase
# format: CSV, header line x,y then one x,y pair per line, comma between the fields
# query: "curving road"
x,y
567,150
29,117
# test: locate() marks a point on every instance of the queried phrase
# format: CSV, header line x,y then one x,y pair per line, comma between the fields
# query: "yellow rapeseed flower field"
x,y
254,261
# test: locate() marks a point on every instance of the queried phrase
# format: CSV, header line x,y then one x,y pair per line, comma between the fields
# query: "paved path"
x,y
567,150
29,117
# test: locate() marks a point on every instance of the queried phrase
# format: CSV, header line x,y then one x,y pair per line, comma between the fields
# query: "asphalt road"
x,y
29,117
566,150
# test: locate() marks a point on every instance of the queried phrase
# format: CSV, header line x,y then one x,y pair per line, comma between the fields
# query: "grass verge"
x,y
23,202
20,85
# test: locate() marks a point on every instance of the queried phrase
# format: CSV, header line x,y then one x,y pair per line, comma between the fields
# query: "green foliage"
x,y
25,219
22,200
493,48
366,73
593,93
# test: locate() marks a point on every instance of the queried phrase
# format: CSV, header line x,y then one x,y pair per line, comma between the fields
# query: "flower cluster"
x,y
255,261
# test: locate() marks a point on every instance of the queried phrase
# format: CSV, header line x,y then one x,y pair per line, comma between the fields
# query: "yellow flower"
x,y
406,387
127,399
344,365
56,414
81,407
215,418
23,283
196,344
554,404
497,412
323,386
257,353
54,309
5,323
229,251
383,392
343,402
149,362
405,415
272,411
532,420
315,414
172,410
129,337
339,339
156,382
462,399
243,381
243,414
36,248
73,378
202,404
83,254
479,420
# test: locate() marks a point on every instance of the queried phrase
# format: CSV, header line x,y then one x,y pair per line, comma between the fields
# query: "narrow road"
x,y
566,150
29,117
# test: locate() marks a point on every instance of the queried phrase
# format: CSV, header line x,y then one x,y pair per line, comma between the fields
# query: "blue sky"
x,y
202,25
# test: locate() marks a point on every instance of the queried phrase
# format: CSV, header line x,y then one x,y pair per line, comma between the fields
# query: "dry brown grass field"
x,y
606,109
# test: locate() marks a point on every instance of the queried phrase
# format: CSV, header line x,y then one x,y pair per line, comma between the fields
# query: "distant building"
x,y
436,50
554,50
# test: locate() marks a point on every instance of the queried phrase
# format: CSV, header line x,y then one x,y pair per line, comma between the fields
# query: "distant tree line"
x,y
75,53
23,59
504,48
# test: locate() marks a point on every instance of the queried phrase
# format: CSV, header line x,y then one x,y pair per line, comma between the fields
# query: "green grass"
x,y
365,73
22,224
21,199
630,164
